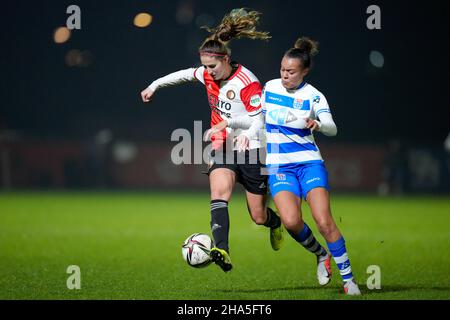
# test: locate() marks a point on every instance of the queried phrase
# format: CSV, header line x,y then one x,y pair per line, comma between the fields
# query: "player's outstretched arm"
x,y
147,94
171,79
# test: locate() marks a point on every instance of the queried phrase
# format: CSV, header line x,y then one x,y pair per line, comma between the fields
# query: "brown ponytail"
x,y
239,23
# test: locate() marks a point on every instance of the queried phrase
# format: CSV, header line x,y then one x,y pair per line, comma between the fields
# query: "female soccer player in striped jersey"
x,y
232,91
294,109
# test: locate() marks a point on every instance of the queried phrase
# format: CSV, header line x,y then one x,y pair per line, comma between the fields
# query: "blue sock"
x,y
339,253
308,241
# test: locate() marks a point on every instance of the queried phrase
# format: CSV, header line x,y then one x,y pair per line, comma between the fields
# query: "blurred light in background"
x,y
103,136
447,145
185,12
125,152
73,57
376,58
86,59
143,20
77,58
61,35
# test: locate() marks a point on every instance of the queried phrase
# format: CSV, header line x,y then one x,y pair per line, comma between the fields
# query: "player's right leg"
x,y
221,182
288,202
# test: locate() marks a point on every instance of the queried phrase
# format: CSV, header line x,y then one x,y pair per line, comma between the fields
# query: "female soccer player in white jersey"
x,y
232,91
294,109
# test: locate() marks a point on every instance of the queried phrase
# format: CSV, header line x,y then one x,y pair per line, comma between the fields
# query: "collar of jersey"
x,y
298,88
301,85
239,67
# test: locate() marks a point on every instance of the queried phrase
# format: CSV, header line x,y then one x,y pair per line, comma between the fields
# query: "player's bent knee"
x,y
326,227
221,193
292,223
259,216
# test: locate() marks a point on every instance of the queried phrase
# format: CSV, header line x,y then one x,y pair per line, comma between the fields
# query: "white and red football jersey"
x,y
239,95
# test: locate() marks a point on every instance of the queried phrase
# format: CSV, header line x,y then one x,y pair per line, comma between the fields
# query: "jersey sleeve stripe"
x,y
195,73
255,113
242,79
246,77
322,110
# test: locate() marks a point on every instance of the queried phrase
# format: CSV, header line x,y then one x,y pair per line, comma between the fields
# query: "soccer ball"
x,y
195,250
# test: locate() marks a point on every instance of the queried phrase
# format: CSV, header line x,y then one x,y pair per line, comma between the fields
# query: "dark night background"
x,y
88,178
42,97
85,126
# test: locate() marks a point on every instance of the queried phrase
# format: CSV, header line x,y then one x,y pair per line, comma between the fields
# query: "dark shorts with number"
x,y
250,171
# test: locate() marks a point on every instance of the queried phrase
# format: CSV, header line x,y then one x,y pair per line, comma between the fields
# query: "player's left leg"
x,y
261,214
319,202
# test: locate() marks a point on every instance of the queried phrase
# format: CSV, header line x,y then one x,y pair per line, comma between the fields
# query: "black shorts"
x,y
247,165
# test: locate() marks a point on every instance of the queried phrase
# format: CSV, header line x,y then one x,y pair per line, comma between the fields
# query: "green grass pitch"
x,y
128,246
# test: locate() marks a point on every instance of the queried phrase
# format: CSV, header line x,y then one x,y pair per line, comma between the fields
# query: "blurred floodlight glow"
x,y
104,136
73,57
376,58
86,59
77,58
125,152
142,20
61,35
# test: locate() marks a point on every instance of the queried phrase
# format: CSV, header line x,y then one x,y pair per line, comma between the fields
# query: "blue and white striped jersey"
x,y
288,140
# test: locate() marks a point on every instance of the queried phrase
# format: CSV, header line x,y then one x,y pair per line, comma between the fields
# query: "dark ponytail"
x,y
304,49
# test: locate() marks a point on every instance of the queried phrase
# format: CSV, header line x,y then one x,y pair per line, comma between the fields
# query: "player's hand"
x,y
215,129
147,94
312,124
242,143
